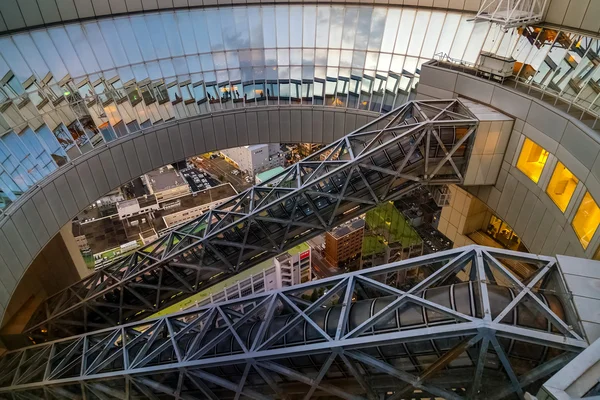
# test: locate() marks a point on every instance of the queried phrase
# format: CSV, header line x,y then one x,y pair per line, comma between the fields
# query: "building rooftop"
x,y
165,179
268,174
347,228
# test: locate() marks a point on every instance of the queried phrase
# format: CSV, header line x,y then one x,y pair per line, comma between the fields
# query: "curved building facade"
x,y
94,93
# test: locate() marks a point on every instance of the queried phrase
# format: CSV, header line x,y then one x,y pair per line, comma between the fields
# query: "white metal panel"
x,y
118,157
109,170
131,158
87,180
154,150
208,131
43,207
26,234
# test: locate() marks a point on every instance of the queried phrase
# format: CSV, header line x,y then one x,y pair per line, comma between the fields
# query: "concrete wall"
x,y
39,214
465,214
515,198
50,272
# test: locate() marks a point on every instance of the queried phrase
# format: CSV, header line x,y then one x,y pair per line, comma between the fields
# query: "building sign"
x,y
304,255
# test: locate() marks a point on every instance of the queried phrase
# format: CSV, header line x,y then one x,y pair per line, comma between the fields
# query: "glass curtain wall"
x,y
67,89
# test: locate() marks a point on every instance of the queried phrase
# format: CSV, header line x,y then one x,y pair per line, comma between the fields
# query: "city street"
x,y
220,168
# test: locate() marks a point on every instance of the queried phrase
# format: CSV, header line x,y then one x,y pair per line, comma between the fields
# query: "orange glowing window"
x,y
532,160
586,220
561,186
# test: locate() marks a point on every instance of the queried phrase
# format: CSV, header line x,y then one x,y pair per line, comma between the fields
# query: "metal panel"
x,y
131,157
165,147
11,14
165,3
15,241
198,136
85,174
134,5
117,6
219,132
350,124
507,194
339,127
149,4
534,222
67,9
154,150
284,134
274,131
296,126
230,131
266,121
317,126
10,257
79,195
84,8
4,295
142,154
307,126
31,12
61,199
208,132
36,222
6,277
361,120
28,238
241,129
109,170
187,141
98,175
175,140
101,7
252,120
43,207
328,127
49,11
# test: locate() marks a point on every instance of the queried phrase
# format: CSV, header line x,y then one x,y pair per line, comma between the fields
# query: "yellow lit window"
x,y
561,186
532,160
586,220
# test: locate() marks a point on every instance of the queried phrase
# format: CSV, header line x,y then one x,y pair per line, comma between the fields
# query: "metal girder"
x,y
376,163
265,346
511,13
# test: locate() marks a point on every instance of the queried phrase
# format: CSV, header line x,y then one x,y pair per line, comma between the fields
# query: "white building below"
x,y
256,158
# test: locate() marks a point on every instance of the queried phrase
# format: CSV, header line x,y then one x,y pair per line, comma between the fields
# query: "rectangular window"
x,y
586,220
561,186
532,160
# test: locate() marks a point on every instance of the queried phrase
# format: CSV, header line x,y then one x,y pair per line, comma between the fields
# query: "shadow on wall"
x,y
52,270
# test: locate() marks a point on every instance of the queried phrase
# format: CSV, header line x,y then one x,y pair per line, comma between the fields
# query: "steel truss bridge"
x,y
419,143
453,325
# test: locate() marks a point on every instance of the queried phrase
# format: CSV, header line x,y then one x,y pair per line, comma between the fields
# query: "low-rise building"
x,y
166,183
266,175
344,243
287,269
256,158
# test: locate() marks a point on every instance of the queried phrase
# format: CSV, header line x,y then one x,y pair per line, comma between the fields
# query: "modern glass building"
x,y
94,93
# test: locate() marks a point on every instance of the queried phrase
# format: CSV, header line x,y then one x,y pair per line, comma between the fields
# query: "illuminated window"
x,y
532,160
586,220
561,186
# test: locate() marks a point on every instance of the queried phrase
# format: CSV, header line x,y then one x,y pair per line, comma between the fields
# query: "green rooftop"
x,y
200,296
266,175
385,224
